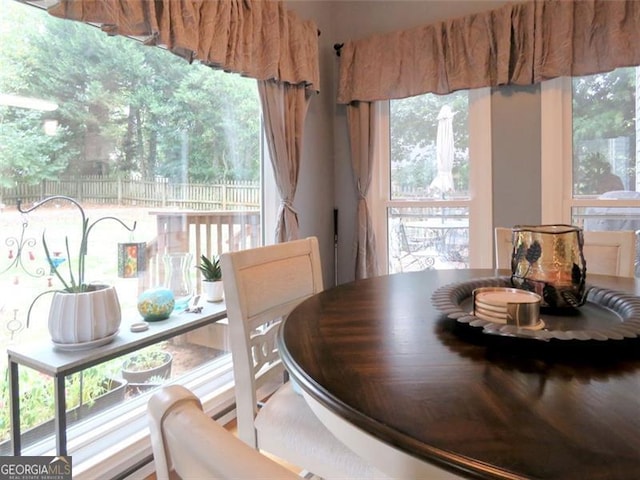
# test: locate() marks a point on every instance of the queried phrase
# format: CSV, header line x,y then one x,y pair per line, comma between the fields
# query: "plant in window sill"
x,y
80,313
212,285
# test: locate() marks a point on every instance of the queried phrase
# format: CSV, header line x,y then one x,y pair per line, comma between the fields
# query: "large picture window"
x,y
432,192
128,131
590,123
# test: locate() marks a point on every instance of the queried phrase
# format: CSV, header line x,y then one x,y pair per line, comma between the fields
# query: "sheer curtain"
x,y
520,43
255,38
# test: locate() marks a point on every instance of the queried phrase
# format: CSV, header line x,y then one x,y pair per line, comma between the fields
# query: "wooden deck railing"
x,y
198,232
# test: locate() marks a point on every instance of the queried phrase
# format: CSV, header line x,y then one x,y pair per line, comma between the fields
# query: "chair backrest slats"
x,y
610,253
605,252
262,285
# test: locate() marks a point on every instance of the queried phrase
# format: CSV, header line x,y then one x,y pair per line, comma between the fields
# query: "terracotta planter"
x,y
213,291
90,318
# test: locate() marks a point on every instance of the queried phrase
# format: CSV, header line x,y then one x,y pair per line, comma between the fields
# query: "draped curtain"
x,y
284,108
363,124
255,38
521,44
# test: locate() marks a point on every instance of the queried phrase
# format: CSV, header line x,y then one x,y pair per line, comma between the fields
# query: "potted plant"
x,y
87,393
147,367
212,286
81,313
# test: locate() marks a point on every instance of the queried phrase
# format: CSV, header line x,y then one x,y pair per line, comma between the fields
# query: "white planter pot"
x,y
213,291
88,317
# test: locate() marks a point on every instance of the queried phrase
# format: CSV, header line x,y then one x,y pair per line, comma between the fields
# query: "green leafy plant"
x,y
37,394
73,281
146,359
210,268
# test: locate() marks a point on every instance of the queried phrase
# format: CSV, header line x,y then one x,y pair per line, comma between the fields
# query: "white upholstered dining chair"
x,y
262,285
610,253
184,439
606,253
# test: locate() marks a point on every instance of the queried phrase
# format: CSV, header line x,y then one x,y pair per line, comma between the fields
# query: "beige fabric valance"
x,y
521,43
259,39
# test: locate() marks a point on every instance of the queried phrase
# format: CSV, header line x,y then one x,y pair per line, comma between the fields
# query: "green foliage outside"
x,y
37,400
414,126
123,107
146,359
604,107
590,172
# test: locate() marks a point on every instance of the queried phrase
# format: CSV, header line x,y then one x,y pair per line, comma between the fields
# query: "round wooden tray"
x,y
606,315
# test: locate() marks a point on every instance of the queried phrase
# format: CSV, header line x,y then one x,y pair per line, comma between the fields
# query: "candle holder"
x,y
548,260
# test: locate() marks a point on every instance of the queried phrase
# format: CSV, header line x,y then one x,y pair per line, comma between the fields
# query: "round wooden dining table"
x,y
407,387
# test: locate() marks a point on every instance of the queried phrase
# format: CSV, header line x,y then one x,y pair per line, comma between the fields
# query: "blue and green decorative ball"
x,y
156,304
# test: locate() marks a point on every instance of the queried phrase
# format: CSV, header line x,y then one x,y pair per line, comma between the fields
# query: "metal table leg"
x,y
14,388
60,416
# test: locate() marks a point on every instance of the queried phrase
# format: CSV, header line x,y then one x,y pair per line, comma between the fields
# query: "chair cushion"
x,y
288,428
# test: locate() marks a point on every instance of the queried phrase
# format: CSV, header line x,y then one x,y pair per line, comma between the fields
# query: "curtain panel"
x,y
258,39
521,44
363,120
284,108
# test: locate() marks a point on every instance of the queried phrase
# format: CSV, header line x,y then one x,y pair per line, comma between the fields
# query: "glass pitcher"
x,y
548,260
177,270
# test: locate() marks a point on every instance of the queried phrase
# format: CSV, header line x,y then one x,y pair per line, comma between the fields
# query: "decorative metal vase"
x,y
548,260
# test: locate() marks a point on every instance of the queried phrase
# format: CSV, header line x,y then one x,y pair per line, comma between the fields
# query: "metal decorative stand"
x,y
20,244
21,252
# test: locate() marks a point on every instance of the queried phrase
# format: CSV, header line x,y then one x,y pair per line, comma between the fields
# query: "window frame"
x,y
556,131
117,443
480,184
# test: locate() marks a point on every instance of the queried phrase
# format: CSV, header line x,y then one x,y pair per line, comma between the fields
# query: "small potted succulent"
x,y
212,286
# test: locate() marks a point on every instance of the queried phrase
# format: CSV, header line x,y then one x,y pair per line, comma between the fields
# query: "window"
x,y
590,123
431,195
132,132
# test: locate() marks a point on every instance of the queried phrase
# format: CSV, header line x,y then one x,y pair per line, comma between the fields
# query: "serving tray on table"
x,y
606,315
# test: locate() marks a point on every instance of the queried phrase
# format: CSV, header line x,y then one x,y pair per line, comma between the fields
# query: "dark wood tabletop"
x,y
378,354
